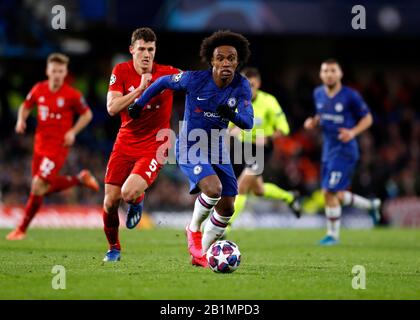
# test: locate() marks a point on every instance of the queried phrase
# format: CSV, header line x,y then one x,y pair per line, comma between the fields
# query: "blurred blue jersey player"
x,y
342,115
213,98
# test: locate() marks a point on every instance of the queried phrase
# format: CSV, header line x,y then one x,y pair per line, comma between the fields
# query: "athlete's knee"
x,y
243,187
111,203
258,191
39,187
212,190
130,194
331,198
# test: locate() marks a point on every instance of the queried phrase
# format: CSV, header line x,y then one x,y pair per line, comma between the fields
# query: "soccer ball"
x,y
223,256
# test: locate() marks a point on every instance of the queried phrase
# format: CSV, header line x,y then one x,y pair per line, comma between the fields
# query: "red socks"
x,y
61,183
139,199
111,224
32,207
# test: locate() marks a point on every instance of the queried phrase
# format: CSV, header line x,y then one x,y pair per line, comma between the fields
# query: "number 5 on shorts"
x,y
153,165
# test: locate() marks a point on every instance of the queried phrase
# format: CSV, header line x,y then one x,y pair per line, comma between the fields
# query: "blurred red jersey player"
x,y
134,163
57,104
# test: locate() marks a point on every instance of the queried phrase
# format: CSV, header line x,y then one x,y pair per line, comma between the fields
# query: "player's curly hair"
x,y
225,38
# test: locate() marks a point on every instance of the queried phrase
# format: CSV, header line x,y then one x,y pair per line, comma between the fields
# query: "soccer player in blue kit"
x,y
342,115
213,98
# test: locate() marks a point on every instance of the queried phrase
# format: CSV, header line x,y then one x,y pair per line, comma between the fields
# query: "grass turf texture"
x,y
276,264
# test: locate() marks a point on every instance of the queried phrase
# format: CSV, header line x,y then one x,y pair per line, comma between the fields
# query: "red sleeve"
x,y
80,106
30,99
116,81
173,70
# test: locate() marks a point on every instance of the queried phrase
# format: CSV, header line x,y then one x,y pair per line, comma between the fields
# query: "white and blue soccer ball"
x,y
223,256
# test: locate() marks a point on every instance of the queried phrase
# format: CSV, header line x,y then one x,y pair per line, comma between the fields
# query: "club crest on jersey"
x,y
339,107
176,77
231,102
319,105
40,100
60,102
198,169
113,79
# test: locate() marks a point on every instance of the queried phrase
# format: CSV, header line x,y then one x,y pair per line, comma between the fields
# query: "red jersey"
x,y
55,114
137,137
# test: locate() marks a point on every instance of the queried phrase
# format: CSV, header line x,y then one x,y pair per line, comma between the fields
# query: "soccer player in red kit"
x,y
134,163
57,104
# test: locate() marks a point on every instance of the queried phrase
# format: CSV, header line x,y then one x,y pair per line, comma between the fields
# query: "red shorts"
x,y
47,167
121,166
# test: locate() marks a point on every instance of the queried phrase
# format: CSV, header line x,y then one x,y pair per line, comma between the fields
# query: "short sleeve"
x,y
116,80
30,99
80,106
360,108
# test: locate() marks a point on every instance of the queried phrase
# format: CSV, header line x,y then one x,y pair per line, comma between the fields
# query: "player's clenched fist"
x,y
20,126
146,78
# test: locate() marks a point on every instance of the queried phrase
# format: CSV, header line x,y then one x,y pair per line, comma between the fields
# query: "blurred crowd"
x,y
390,150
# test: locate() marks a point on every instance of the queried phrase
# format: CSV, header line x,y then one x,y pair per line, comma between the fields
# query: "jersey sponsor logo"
x,y
338,107
231,102
198,169
177,77
209,114
113,79
336,118
60,102
201,99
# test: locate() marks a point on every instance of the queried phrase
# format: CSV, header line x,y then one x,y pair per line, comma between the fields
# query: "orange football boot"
x,y
88,180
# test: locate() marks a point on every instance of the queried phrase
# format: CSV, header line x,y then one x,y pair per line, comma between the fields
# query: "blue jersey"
x,y
203,97
344,110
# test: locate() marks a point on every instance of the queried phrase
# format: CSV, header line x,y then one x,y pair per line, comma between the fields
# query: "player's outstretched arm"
x,y
173,82
23,115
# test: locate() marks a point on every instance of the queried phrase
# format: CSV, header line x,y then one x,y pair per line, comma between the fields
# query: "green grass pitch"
x,y
276,264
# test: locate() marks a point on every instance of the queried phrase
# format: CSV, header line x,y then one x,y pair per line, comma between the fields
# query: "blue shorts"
x,y
336,174
197,171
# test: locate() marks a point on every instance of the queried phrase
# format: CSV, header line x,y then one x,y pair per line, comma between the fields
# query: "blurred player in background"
x,y
57,104
133,164
212,97
269,117
342,115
